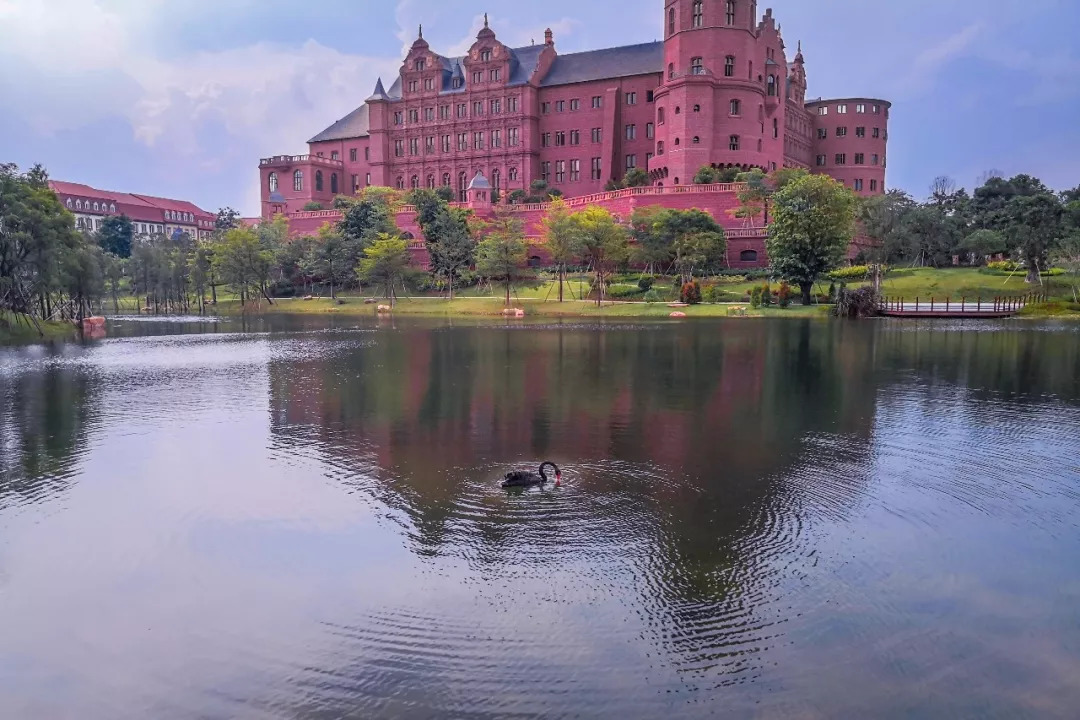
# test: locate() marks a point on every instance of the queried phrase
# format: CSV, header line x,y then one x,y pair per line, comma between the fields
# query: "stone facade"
x,y
717,90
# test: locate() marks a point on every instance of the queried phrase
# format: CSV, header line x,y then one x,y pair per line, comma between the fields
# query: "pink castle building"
x,y
717,91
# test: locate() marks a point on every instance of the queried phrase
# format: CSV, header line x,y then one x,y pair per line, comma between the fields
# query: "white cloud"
x,y
930,64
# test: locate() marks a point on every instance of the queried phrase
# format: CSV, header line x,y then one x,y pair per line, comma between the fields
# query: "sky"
x,y
182,99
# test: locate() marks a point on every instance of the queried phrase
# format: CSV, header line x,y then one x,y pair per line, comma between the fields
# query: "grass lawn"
x,y
17,332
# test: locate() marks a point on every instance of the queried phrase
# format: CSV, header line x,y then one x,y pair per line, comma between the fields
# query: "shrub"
x,y
623,291
312,206
863,302
755,297
832,292
645,282
783,296
651,297
855,272
766,295
691,293
710,293
1003,266
516,196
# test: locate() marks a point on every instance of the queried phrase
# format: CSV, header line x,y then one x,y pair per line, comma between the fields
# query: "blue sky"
x,y
182,100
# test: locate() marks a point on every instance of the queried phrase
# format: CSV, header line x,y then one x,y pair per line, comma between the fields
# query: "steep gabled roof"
x,y
644,59
353,125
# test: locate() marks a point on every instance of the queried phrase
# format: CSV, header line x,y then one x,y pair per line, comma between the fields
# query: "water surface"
x,y
301,519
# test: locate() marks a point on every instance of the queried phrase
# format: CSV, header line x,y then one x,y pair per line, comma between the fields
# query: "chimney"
x,y
549,38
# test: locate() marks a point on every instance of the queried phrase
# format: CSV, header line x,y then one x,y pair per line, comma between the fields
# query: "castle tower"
x,y
712,106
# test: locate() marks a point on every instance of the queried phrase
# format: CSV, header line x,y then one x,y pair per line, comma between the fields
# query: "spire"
x,y
485,20
379,93
798,55
421,33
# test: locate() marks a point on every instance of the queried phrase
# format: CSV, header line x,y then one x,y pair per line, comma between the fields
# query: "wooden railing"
x,y
997,305
582,200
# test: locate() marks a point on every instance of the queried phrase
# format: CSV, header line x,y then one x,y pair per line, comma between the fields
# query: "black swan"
x,y
525,478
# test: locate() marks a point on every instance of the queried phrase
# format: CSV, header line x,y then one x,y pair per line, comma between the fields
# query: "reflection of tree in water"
x,y
44,419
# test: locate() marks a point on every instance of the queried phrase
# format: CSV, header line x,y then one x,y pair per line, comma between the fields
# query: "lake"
x,y
301,518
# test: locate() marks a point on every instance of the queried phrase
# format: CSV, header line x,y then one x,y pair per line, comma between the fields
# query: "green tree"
x,y
242,263
114,276
116,235
562,239
384,264
813,224
1033,227
333,260
604,243
226,219
501,254
706,175
695,238
981,243
883,219
1067,255
451,245
636,177
652,246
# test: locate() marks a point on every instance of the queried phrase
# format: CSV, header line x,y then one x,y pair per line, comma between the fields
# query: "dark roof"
x,y
615,62
353,125
523,62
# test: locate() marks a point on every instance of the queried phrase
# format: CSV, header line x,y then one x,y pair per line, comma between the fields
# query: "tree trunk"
x,y
507,293
213,294
562,278
806,287
1032,274
451,286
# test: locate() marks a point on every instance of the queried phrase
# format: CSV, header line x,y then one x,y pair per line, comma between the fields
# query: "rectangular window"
x,y
729,14
596,168
729,66
485,56
648,159
877,109
429,83
874,159
512,104
545,171
597,135
733,143
560,105
735,107
650,130
823,110
860,132
877,132
334,155
444,112
822,133
414,116
446,143
860,158
478,141
477,77
495,75
841,159
512,137
429,144
597,101
462,110
560,171
776,129
478,108
575,137
560,138
820,160
496,107
412,86
696,66
429,114
496,138
631,162
631,98
352,154
873,186
699,15
631,132
545,140
841,132
545,108
841,109
860,109
858,185
648,96
399,148
398,118
414,146
575,104
463,141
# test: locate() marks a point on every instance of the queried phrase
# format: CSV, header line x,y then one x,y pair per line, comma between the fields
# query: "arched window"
x,y
496,176
400,183
660,148
772,86
671,68
318,181
273,182
677,142
697,140
112,207
431,182
678,110
748,256
698,14
78,204
414,182
512,173
733,142
333,183
68,203
96,208
670,21
660,116
298,180
446,179
729,66
697,108
463,185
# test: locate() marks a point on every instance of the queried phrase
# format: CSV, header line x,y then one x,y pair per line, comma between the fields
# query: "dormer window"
x,y
485,56
420,65
455,83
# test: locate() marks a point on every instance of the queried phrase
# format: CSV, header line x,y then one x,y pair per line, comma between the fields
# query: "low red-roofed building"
x,y
151,215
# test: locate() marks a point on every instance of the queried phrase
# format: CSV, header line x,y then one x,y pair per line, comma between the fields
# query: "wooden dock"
x,y
948,307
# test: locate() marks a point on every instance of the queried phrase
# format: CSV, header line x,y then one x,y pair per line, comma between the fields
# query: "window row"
x,y
414,181
841,159
460,142
87,206
574,104
569,170
697,15
431,84
841,109
860,132
298,181
494,106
